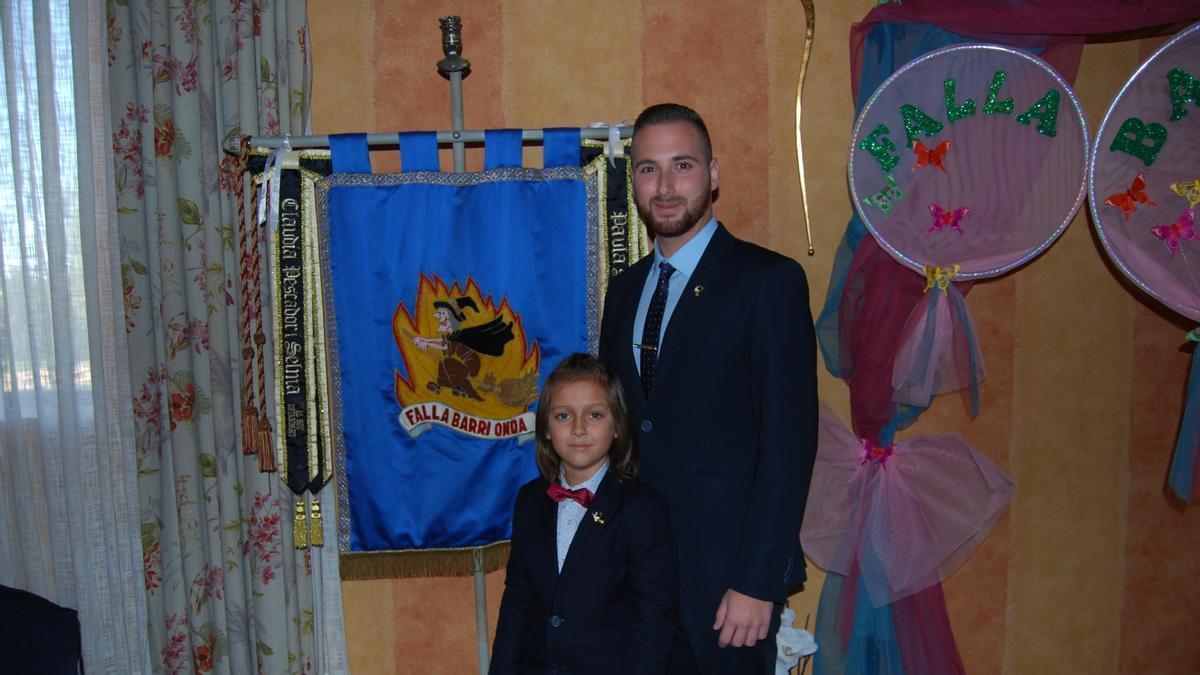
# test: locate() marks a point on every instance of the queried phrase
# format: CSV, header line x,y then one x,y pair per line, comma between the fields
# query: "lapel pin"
x,y
698,290
598,517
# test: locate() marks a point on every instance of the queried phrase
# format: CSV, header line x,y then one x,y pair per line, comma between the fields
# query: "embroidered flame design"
x,y
506,383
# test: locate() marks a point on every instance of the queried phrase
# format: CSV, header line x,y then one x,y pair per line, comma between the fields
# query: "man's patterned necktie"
x,y
653,325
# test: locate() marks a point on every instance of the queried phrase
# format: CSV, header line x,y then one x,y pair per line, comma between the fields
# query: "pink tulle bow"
x,y
907,527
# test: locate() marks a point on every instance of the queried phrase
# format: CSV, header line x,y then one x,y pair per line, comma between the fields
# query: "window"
x,y
43,313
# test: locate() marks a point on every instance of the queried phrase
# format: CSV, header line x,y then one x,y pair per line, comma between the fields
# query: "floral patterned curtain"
x,y
226,590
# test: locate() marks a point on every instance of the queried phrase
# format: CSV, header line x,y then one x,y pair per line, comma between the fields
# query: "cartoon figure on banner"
x,y
467,363
461,347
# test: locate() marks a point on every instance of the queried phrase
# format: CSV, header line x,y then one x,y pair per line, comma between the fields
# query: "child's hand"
x,y
742,620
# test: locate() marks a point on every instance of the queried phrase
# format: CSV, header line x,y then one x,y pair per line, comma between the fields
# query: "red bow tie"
x,y
558,493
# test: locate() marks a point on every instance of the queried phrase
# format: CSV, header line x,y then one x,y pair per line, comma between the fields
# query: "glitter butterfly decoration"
x,y
890,193
1128,200
1189,190
943,218
934,157
1184,228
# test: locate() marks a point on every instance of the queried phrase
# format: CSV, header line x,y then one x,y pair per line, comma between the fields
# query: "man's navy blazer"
x,y
729,432
613,607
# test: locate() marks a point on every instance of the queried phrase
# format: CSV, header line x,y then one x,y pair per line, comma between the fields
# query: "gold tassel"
x,y
249,430
300,526
316,536
266,451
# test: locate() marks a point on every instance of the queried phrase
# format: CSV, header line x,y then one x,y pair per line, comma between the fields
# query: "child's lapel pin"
x,y
598,517
698,290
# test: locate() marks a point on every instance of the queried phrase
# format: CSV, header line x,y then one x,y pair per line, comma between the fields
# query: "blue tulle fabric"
x,y
872,647
933,371
888,46
1182,478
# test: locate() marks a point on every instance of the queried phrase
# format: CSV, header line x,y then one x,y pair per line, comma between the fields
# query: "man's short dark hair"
x,y
665,113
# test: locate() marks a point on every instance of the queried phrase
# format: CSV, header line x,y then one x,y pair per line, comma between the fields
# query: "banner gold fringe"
x,y
433,562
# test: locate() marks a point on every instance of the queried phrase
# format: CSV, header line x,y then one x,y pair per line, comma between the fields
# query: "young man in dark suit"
x,y
717,355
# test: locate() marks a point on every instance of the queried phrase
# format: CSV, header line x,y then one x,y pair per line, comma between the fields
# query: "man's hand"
x,y
742,620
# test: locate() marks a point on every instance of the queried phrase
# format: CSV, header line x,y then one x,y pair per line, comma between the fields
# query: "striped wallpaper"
x,y
1092,570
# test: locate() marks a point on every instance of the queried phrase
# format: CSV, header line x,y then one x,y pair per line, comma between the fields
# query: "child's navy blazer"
x,y
613,607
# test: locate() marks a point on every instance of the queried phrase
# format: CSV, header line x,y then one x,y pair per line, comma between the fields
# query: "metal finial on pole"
x,y
452,45
454,66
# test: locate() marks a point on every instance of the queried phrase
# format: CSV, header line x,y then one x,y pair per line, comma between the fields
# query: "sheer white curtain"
x,y
68,508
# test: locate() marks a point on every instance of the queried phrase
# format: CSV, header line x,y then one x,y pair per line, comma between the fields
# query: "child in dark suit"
x,y
591,585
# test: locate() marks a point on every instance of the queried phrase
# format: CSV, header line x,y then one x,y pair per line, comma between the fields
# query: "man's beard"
x,y
682,222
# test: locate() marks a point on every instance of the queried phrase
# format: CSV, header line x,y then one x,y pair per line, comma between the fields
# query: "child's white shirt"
x,y
571,512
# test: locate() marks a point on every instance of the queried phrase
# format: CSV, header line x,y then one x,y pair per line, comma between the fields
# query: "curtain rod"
x,y
232,146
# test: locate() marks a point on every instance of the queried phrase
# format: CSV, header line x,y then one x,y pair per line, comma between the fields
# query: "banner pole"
x,y
481,622
454,66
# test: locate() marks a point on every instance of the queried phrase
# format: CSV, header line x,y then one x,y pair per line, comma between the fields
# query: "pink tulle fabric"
x,y
979,195
920,639
1170,274
937,350
876,301
1058,28
879,297
908,519
924,635
1016,186
879,292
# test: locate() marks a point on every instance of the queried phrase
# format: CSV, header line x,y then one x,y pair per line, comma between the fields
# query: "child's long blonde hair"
x,y
576,368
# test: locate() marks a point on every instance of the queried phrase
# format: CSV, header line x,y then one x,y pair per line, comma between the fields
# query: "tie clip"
x,y
649,348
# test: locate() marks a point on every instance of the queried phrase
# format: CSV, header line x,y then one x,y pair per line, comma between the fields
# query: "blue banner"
x,y
449,299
